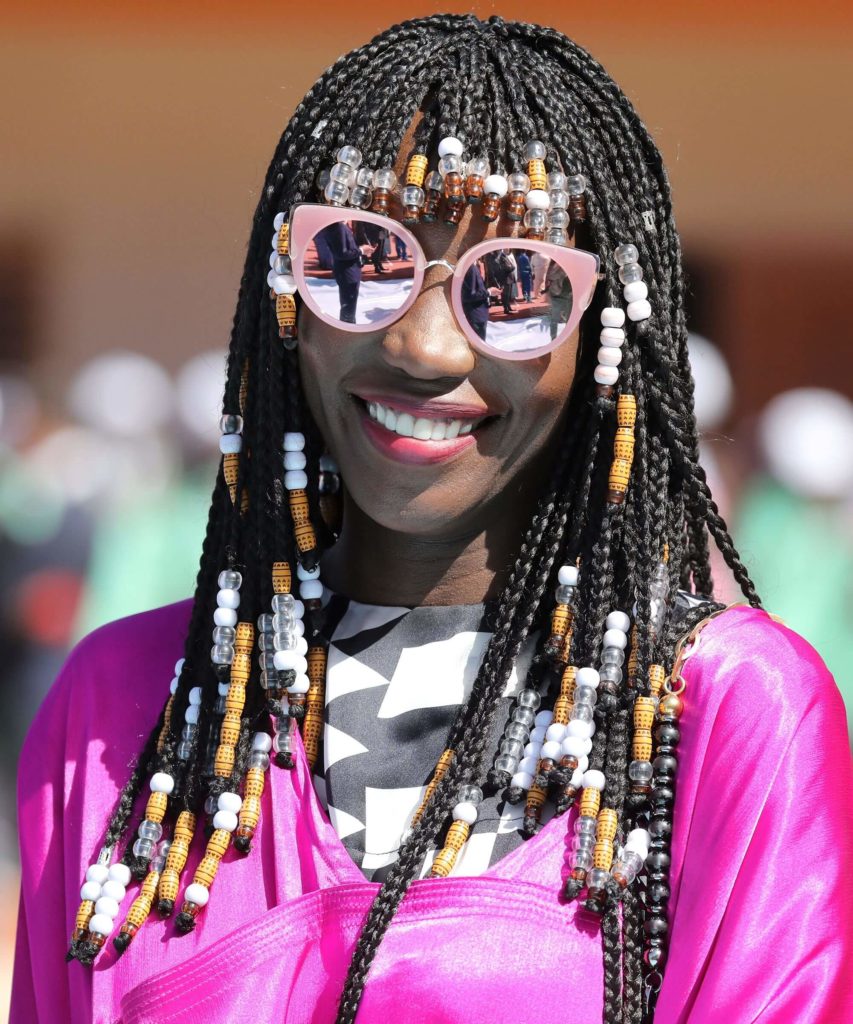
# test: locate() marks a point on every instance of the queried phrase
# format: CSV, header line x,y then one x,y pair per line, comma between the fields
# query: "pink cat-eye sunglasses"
x,y
513,298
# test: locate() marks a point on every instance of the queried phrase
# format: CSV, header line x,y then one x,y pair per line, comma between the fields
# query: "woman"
x,y
509,626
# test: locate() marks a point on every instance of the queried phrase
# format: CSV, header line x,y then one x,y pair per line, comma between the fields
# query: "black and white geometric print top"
x,y
395,678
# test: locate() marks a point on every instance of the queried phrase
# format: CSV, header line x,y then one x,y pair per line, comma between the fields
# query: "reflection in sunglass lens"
x,y
358,272
516,300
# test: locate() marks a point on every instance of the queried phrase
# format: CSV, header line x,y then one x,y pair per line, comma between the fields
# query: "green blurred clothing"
x,y
800,555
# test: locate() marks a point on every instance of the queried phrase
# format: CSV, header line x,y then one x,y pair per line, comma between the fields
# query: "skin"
x,y
445,533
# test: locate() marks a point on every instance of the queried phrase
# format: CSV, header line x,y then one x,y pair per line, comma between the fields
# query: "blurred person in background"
x,y
514,612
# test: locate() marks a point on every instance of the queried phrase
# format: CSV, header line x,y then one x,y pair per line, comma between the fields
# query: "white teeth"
x,y
421,428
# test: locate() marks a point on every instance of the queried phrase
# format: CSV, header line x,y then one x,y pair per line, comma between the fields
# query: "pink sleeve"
x,y
762,928
40,986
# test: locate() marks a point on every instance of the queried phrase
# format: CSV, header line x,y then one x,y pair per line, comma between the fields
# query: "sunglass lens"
x,y
516,300
358,272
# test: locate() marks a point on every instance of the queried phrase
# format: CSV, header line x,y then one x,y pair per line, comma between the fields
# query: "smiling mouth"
x,y
420,428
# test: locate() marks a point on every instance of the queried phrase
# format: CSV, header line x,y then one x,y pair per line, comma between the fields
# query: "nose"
x,y
426,342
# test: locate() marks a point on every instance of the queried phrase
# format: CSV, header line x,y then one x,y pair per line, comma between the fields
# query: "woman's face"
x,y
424,366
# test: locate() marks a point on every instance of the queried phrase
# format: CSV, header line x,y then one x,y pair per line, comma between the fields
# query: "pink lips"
x,y
407,449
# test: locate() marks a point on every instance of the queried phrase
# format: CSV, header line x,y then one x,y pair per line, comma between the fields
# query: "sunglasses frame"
x,y
581,268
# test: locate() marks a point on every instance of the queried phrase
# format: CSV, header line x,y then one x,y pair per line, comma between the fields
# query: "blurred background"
x,y
135,141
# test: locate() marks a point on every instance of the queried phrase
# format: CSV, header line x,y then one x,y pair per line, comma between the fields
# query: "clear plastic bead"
x,y
282,264
558,219
611,674
524,716
478,165
450,164
630,273
283,621
343,173
224,635
584,826
516,731
612,656
285,639
582,859
469,793
559,199
150,830
536,220
556,181
535,150
283,604
265,623
413,195
626,253
564,594
512,748
222,654
576,185
268,679
267,661
434,182
184,749
505,763
322,179
265,642
584,841
585,695
188,732
640,771
143,848
529,699
597,878
557,236
231,424
518,182
361,197
581,713
259,759
336,192
628,865
384,177
364,177
349,155
230,579
105,855
281,743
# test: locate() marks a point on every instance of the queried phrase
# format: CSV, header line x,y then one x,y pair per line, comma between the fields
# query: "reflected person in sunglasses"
x,y
497,658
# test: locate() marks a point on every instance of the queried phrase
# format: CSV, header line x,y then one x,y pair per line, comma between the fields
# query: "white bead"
x,y
296,480
551,750
294,442
587,745
465,811
609,356
227,598
191,714
640,310
612,316
495,184
197,893
568,575
115,890
225,617
635,290
301,645
294,460
638,841
226,820
284,661
162,782
223,688
173,686
311,590
278,220
307,574
533,749
555,731
301,684
587,677
97,873
179,664
537,199
107,906
618,620
528,764
523,780
450,146
537,735
606,375
583,763
573,747
615,638
577,778
543,719
230,443
593,779
90,891
579,728
281,284
298,609
195,695
229,802
262,741
101,924
612,337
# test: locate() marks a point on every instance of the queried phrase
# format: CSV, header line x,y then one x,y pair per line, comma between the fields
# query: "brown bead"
x,y
491,207
670,706
515,206
381,199
431,203
577,209
474,188
230,466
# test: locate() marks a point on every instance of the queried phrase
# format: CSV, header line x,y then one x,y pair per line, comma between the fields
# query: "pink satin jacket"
x,y
761,910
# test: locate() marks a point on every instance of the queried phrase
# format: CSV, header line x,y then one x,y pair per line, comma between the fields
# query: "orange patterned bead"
x,y
561,619
440,771
230,468
590,802
457,836
167,718
176,858
285,314
281,578
81,921
537,175
155,808
602,854
416,170
657,675
283,239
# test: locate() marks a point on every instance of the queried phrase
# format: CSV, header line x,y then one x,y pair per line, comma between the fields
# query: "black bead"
x,y
658,860
657,892
656,875
662,796
660,827
656,926
666,733
665,764
655,955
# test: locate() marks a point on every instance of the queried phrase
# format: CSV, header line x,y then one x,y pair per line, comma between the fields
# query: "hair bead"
x,y
623,449
416,169
434,188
